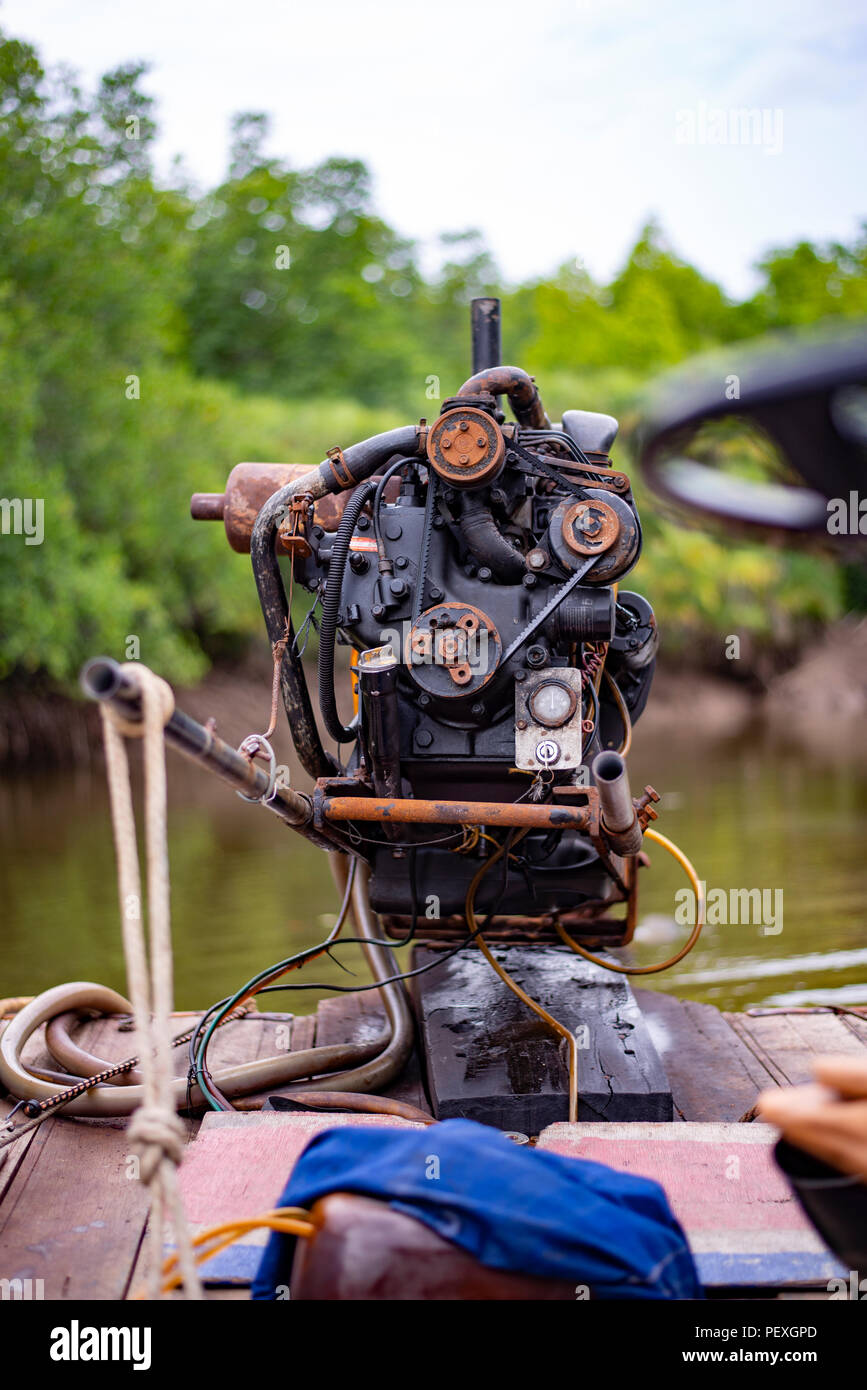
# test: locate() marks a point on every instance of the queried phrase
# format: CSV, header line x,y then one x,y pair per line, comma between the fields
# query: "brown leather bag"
x,y
362,1250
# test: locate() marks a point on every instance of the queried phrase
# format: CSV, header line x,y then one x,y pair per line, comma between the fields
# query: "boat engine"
x,y
472,567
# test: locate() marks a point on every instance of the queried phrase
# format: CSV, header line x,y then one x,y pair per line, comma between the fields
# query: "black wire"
x,y
342,989
377,496
355,834
196,1064
375,508
420,969
586,743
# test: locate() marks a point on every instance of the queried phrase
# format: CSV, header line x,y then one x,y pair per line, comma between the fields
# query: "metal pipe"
x,y
508,813
381,1070
513,382
208,506
239,1079
355,1102
618,816
485,321
105,680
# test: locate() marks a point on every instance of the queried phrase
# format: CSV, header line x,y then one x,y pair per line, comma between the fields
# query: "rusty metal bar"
x,y
104,680
507,813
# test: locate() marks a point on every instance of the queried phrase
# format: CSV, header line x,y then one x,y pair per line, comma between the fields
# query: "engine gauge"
x,y
552,703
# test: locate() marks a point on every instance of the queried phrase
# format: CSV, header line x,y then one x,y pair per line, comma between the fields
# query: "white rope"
x,y
156,1133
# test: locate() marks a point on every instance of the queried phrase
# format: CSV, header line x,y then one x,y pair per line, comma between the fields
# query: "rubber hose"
x,y
330,608
236,1080
488,544
354,1102
361,460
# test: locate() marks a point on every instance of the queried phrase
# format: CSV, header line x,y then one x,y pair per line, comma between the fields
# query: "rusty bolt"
x,y
463,426
521,724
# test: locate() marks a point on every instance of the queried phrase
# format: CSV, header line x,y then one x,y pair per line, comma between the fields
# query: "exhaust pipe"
x,y
620,823
485,319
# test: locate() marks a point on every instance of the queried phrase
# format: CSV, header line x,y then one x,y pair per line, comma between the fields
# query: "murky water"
x,y
246,892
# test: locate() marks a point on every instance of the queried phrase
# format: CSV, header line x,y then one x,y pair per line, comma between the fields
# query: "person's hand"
x,y
829,1119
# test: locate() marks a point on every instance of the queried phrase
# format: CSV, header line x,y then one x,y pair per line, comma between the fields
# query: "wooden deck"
x,y
72,1215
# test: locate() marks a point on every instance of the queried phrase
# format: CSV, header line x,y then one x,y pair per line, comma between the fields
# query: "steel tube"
x,y
105,680
485,320
618,816
238,1079
382,1070
370,808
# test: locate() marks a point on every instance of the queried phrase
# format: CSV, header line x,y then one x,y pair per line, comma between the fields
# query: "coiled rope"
x,y
156,1133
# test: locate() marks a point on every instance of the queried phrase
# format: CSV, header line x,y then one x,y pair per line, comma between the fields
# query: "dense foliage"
x,y
151,336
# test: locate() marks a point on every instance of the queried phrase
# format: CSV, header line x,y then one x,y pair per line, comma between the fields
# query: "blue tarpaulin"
x,y
511,1206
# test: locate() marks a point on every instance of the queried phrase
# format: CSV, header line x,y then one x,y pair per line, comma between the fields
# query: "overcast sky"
x,y
556,127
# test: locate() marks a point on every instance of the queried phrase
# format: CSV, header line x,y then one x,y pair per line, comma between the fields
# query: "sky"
x,y
557,128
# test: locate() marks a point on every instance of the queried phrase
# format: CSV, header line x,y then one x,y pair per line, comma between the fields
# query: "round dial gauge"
x,y
552,703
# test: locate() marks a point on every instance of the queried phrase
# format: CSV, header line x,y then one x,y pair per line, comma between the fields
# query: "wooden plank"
x,y
256,1035
304,1032
13,1154
350,1018
744,1225
360,1018
713,1074
73,1216
856,1026
238,1166
489,1057
788,1044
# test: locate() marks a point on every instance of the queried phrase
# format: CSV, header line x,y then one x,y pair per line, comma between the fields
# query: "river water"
x,y
246,891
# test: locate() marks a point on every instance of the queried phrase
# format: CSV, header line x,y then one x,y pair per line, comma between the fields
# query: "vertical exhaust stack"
x,y
487,350
620,824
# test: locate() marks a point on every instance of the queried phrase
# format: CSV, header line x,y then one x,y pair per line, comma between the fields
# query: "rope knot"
x,y
155,1134
153,685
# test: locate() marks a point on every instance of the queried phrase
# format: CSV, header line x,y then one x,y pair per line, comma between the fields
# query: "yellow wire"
x,y
513,985
290,1220
691,874
295,1220
622,711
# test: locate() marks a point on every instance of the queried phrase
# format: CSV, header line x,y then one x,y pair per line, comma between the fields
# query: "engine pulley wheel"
x,y
465,447
452,649
601,524
589,528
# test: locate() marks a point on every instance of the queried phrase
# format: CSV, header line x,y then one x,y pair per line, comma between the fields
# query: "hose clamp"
x,y
250,748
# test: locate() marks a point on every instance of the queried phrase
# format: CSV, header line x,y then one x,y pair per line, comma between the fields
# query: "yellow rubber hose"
x,y
691,874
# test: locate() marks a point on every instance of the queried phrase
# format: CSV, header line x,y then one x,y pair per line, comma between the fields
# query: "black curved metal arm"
x,y
356,464
278,621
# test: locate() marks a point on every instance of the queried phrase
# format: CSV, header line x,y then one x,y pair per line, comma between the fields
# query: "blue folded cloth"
x,y
511,1206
